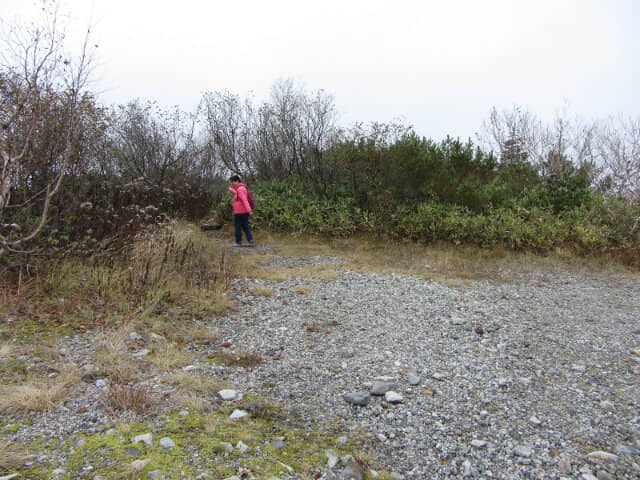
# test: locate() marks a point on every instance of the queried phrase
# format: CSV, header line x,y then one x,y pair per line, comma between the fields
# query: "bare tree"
x,y
152,143
228,123
618,149
34,71
515,135
285,135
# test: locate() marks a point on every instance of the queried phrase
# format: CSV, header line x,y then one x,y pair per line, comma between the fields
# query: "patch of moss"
x,y
214,360
201,444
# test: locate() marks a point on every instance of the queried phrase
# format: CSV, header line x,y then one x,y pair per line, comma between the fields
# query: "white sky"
x,y
437,65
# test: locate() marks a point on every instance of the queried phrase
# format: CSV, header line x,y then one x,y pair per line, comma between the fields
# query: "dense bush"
x,y
598,226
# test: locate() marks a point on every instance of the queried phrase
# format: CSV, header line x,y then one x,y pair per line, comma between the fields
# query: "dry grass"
x,y
194,403
441,262
13,456
135,398
6,350
263,291
169,355
238,358
42,396
182,331
193,383
112,356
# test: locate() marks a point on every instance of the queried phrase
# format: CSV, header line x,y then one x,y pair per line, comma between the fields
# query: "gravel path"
x,y
537,377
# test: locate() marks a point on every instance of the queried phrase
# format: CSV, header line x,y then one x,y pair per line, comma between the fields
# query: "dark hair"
x,y
234,178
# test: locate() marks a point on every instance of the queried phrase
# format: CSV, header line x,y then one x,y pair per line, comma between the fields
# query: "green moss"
x,y
199,445
214,360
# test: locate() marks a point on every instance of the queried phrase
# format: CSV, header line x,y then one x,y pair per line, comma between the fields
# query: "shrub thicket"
x,y
419,190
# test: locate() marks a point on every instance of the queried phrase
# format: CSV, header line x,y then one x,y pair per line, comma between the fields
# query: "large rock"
x,y
357,398
380,387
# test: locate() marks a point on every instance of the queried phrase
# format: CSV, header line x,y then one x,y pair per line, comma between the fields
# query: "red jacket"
x,y
240,202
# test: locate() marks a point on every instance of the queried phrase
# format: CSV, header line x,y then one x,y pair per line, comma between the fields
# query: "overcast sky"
x,y
437,65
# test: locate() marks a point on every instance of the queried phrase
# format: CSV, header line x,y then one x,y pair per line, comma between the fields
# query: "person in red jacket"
x,y
241,210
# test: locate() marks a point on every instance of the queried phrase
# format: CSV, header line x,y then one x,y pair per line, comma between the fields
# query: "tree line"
x,y
78,173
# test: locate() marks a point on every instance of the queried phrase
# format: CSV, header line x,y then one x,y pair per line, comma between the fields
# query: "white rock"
x,y
228,395
289,469
167,443
190,368
332,458
523,451
142,353
478,443
144,438
243,447
139,464
228,447
238,414
101,383
393,397
606,456
535,420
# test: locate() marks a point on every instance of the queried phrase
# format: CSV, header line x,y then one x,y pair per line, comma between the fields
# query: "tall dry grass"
x,y
439,261
38,395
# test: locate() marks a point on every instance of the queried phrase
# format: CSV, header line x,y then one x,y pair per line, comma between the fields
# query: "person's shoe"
x,y
236,244
250,244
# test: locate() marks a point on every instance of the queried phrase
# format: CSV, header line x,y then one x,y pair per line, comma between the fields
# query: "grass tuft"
x,y
136,398
239,358
33,396
13,456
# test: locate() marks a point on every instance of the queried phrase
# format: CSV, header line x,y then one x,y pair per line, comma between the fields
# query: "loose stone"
x,y
332,458
227,394
605,456
380,388
627,450
604,475
478,443
132,452
167,443
564,465
357,398
413,378
353,471
279,444
243,447
236,414
140,464
144,438
523,451
393,397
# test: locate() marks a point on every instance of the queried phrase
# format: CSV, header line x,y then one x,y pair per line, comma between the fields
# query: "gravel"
x,y
534,377
519,379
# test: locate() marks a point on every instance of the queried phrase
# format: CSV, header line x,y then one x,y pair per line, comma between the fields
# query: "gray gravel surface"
x,y
534,377
526,378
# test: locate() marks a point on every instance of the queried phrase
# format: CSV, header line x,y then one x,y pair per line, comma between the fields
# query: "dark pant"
x,y
242,223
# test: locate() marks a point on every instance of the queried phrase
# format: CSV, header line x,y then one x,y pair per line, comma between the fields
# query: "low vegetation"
x,y
95,233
